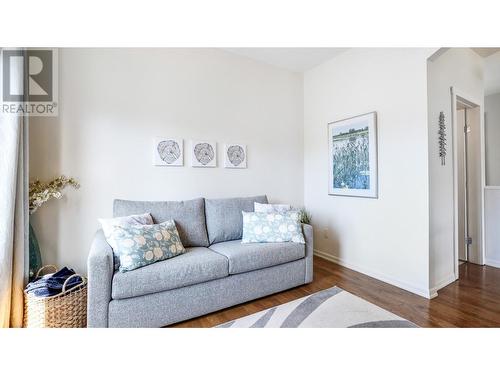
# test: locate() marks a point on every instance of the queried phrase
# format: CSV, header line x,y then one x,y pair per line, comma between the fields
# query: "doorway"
x,y
469,182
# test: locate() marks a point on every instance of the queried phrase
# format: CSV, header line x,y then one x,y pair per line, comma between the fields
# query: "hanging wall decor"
x,y
168,152
353,156
442,138
235,156
203,154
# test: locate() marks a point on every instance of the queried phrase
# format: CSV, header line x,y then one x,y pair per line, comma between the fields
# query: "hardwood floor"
x,y
471,301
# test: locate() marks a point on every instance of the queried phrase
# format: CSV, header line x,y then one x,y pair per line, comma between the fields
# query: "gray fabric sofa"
x,y
216,272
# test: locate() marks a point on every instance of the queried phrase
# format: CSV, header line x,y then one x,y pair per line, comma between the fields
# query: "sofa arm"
x,y
100,268
309,237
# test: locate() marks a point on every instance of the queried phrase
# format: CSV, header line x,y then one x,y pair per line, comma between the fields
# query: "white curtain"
x,y
13,211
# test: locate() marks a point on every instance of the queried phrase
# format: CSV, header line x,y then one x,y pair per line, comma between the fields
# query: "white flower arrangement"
x,y
40,192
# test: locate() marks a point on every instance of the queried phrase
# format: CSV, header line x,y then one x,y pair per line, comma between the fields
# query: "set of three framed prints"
x,y
170,152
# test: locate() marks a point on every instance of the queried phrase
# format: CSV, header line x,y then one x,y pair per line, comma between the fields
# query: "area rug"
x,y
329,308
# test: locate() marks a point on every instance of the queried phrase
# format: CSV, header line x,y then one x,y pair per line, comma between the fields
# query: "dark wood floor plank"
x,y
471,301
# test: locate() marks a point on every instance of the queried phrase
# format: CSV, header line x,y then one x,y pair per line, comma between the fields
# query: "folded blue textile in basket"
x,y
52,284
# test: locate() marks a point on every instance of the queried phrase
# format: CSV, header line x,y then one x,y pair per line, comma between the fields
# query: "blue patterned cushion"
x,y
259,207
141,245
123,221
272,227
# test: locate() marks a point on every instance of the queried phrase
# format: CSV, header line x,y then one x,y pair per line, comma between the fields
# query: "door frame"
x,y
468,100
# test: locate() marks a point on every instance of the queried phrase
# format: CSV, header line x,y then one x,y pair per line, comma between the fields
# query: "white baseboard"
x,y
446,281
492,263
386,279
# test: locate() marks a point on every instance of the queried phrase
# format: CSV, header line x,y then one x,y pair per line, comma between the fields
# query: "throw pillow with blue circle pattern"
x,y
272,227
123,221
141,245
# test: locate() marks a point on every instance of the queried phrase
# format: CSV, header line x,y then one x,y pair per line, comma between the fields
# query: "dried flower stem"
x,y
40,192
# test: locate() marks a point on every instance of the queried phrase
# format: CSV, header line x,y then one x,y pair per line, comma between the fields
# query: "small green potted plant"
x,y
40,193
304,216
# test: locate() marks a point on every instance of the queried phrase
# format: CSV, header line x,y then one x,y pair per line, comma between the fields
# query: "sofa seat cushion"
x,y
254,256
197,265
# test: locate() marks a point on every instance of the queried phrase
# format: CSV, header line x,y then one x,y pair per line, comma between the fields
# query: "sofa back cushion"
x,y
189,217
224,218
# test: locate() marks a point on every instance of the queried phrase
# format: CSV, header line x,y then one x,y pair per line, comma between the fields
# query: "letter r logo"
x,y
37,87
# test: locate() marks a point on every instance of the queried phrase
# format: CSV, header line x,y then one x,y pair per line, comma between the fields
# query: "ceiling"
x,y
302,59
293,59
485,52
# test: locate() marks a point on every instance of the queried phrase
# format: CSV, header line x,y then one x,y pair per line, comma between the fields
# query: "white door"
x,y
469,183
473,182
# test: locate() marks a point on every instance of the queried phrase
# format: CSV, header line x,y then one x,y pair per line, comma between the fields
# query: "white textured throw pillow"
x,y
272,227
123,221
260,207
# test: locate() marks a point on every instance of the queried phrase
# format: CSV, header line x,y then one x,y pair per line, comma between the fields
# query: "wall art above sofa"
x,y
235,155
203,154
168,152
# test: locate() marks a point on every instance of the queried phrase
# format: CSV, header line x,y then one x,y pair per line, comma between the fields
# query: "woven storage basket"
x,y
68,309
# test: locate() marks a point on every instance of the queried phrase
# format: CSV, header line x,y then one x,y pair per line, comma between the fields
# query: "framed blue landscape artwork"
x,y
353,156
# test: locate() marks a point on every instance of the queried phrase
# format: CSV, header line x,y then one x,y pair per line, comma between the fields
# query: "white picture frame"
x,y
235,156
168,152
203,154
352,149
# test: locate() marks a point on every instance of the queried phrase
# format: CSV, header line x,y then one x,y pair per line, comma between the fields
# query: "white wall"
x,y
387,237
492,74
114,101
492,218
492,192
492,139
463,69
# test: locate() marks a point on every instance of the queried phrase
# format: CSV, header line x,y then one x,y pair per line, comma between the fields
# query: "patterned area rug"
x,y
329,308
